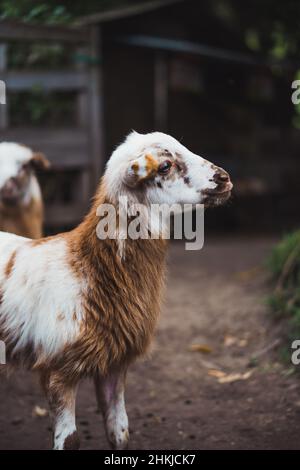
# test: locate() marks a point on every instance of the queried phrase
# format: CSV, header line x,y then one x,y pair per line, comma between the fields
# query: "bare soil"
x,y
215,298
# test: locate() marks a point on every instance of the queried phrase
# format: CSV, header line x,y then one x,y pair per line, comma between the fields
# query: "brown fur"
x,y
151,165
122,300
10,264
120,309
25,221
39,161
72,442
60,397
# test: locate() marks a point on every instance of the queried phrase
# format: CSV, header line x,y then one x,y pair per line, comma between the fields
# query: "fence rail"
x,y
17,30
78,148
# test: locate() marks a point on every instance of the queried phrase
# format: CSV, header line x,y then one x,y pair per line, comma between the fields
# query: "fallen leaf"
x,y
157,419
247,375
39,412
248,274
216,373
229,340
234,377
204,348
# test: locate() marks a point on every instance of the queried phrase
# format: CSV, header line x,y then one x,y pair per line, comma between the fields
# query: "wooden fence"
x,y
77,150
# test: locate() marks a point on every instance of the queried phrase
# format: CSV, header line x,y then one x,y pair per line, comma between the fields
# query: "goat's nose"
x,y
221,176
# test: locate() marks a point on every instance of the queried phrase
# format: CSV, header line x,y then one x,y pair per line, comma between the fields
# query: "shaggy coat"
x,y
74,305
21,205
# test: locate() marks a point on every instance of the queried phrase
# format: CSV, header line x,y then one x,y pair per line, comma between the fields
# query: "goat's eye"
x,y
164,167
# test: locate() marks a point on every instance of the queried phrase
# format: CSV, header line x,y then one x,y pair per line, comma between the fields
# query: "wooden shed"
x,y
169,65
178,66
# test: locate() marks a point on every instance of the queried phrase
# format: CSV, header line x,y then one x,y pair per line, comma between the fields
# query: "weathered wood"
x,y
58,215
82,105
14,30
161,90
65,148
126,11
202,50
77,149
67,80
96,123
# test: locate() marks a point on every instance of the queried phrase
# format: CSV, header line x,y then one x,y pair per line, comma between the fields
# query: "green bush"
x,y
284,264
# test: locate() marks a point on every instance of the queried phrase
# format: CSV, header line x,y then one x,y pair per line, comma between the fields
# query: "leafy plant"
x,y
31,11
284,264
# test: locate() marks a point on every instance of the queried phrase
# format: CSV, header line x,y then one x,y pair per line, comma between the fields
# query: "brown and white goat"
x,y
72,307
21,206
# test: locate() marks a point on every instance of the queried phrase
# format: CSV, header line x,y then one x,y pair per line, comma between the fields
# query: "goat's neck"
x,y
120,250
123,292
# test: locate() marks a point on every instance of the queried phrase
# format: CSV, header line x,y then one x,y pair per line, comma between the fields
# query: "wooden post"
x,y
161,92
82,105
96,122
3,107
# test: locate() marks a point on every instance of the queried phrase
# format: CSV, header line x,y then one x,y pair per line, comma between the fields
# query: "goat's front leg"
x,y
110,398
61,397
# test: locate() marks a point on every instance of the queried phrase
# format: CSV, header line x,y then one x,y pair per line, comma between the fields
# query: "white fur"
x,y
117,422
200,171
64,426
40,296
187,187
33,191
12,157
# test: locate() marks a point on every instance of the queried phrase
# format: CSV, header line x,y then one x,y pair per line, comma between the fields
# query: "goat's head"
x,y
17,164
158,169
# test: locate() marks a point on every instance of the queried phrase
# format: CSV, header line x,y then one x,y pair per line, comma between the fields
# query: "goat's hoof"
x,y
119,441
71,442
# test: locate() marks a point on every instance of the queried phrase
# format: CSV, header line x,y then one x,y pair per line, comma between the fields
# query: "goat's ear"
x,y
141,169
38,161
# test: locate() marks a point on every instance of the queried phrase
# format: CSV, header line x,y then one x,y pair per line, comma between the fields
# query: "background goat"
x,y
71,307
21,206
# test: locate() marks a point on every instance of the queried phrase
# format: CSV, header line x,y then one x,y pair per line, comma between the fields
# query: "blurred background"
x,y
217,75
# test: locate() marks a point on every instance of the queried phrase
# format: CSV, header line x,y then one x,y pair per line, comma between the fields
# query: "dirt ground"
x,y
175,398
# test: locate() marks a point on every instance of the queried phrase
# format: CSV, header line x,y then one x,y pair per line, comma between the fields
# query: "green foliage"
x,y
32,11
41,108
282,251
56,11
284,264
252,40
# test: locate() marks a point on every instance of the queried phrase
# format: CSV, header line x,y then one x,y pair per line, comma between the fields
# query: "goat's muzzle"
x,y
10,193
222,192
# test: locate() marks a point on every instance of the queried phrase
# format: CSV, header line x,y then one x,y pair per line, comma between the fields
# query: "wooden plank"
x,y
67,80
124,12
96,119
65,148
161,90
15,30
202,50
68,214
82,105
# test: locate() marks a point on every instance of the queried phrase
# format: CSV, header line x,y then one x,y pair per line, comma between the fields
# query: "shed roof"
x,y
123,12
